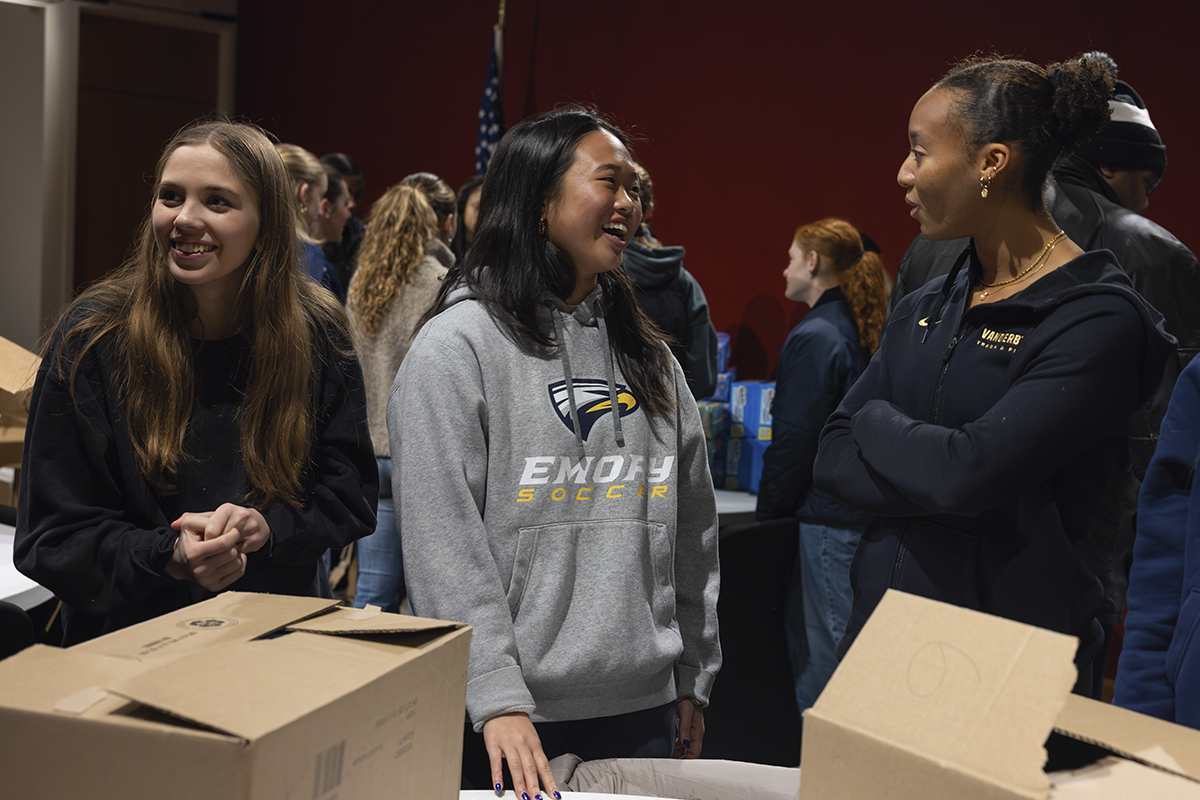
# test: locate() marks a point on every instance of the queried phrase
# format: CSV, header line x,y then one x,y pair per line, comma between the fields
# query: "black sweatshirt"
x,y
93,531
982,438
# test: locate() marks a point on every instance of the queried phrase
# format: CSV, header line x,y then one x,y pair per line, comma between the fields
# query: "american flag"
x,y
491,106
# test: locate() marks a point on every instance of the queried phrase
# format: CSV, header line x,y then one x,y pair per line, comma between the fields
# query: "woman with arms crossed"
x,y
550,472
198,420
982,433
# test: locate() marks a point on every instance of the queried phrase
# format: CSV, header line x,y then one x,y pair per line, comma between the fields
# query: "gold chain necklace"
x,y
1037,263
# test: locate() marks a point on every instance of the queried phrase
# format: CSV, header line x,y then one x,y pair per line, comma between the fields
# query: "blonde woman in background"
x,y
405,253
309,185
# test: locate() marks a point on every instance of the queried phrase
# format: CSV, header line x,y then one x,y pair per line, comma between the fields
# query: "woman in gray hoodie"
x,y
550,473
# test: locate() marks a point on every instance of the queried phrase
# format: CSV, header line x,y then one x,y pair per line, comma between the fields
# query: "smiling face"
x,y
594,214
941,183
205,220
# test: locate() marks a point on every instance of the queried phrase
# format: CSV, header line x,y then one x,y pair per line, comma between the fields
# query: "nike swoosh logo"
x,y
924,323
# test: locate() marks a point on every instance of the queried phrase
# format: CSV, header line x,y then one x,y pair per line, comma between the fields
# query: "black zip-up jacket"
x,y
981,440
1164,272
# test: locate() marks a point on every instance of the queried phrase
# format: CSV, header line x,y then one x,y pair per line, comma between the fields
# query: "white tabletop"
x,y
15,587
735,508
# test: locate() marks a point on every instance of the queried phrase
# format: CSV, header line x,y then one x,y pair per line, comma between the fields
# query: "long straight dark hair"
x,y
510,266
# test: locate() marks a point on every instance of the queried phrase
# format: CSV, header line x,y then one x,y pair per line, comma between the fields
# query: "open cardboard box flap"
x,y
18,369
271,682
1134,736
227,617
934,701
344,621
967,692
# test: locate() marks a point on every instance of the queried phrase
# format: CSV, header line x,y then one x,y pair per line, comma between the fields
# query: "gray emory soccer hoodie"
x,y
536,502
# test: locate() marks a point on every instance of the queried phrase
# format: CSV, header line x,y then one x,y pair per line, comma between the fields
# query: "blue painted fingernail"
x,y
687,745
499,789
557,796
524,795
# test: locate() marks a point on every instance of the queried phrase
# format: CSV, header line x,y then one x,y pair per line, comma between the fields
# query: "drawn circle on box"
x,y
940,665
206,623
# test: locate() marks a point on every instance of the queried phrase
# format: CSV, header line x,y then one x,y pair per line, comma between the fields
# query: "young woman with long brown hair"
x,y
198,420
842,283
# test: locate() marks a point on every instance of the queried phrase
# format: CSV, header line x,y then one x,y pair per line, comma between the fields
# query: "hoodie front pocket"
x,y
593,602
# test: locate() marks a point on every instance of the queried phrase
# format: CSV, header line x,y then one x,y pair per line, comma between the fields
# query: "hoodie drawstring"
x,y
560,333
612,376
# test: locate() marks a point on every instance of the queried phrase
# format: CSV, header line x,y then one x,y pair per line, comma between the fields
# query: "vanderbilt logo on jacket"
x,y
994,340
592,402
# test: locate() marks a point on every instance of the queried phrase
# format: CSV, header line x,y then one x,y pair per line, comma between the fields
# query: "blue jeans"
x,y
818,607
380,562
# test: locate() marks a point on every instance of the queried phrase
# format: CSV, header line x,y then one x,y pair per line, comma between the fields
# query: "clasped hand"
x,y
212,546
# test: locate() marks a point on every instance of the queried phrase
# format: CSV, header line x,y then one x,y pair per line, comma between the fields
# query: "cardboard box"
x,y
714,417
725,379
18,369
243,696
744,464
750,409
937,702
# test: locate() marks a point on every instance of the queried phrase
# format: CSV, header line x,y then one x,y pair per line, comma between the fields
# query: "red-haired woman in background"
x,y
823,356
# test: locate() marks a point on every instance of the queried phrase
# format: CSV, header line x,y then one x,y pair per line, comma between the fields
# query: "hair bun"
x,y
1082,89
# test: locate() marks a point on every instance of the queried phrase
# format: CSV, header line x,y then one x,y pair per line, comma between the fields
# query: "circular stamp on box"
x,y
206,623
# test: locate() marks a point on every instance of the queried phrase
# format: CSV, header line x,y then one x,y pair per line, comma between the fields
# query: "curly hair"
x,y
400,227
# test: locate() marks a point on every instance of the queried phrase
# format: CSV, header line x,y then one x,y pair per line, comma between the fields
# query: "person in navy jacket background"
x,y
841,281
1159,671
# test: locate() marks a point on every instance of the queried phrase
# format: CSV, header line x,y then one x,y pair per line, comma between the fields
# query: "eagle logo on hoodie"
x,y
592,402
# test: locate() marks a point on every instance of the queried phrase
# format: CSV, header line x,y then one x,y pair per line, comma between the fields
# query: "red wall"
x,y
756,116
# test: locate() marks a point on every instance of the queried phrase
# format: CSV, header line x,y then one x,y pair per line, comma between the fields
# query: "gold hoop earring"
x,y
542,228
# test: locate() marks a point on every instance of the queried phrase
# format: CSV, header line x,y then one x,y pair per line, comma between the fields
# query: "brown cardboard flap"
x,y
1162,744
955,687
1117,778
18,369
347,621
39,678
228,617
250,689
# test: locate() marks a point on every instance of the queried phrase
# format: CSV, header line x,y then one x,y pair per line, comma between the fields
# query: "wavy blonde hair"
x,y
401,225
302,167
